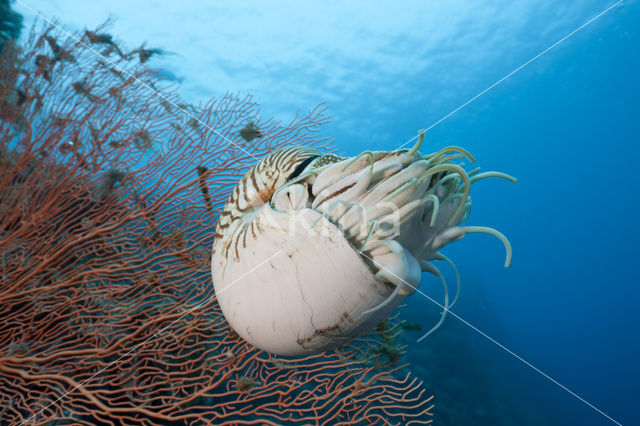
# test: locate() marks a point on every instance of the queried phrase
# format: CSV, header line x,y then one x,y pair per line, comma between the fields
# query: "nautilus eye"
x,y
313,250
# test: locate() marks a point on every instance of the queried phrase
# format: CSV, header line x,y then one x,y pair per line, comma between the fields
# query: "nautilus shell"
x,y
313,250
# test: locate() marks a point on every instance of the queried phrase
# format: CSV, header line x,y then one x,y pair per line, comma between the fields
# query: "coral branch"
x,y
106,227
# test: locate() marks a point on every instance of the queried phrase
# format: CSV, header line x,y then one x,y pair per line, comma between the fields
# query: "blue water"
x,y
567,126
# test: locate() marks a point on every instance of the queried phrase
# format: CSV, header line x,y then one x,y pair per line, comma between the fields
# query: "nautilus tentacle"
x,y
314,250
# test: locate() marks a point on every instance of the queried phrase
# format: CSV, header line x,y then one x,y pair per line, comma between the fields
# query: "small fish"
x,y
250,132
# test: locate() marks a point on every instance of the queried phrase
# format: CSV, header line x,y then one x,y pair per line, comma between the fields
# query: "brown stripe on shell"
x,y
254,190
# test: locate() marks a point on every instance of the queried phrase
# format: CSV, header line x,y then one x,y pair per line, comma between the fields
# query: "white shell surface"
x,y
312,251
300,288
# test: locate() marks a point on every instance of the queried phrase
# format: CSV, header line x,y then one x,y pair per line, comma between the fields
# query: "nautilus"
x,y
313,250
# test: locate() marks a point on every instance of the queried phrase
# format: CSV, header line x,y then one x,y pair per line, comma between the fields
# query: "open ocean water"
x,y
562,323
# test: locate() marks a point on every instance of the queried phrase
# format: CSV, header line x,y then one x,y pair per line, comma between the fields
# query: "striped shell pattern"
x,y
313,250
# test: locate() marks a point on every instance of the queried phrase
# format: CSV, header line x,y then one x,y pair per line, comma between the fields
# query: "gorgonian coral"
x,y
110,189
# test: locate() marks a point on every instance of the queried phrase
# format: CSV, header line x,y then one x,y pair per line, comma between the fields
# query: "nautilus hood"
x,y
313,250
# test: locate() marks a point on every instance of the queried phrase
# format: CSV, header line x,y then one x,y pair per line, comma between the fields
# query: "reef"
x,y
110,189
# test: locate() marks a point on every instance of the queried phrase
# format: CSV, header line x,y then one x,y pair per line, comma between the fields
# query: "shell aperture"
x,y
313,250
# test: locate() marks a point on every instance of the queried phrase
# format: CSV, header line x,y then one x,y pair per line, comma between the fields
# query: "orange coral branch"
x,y
107,303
